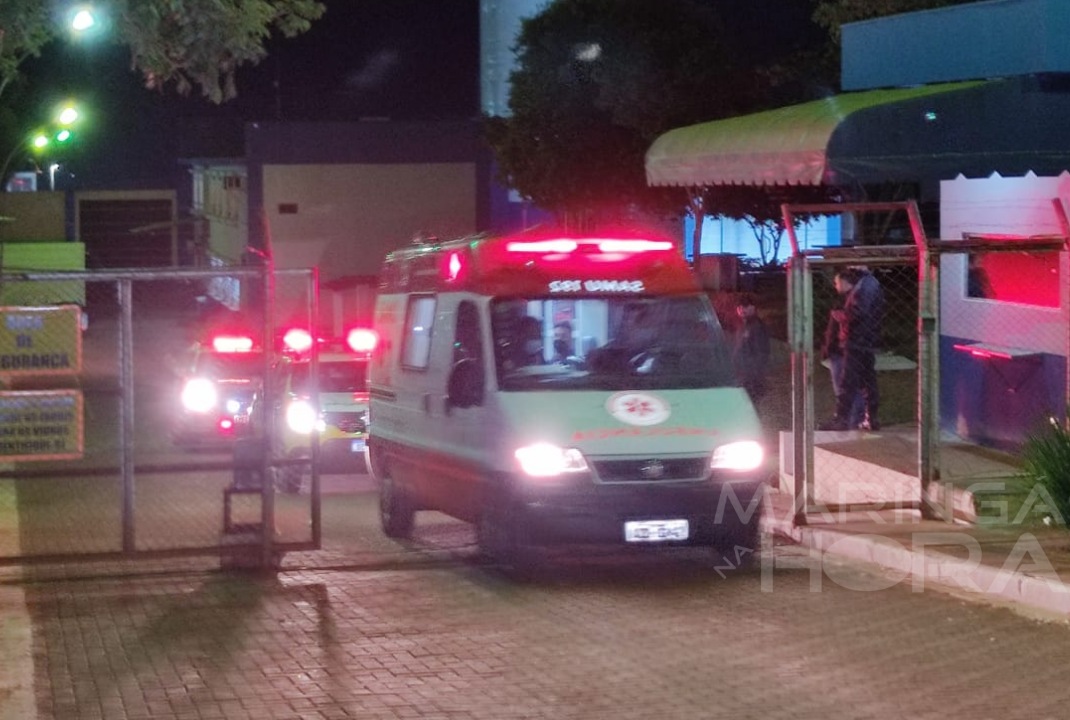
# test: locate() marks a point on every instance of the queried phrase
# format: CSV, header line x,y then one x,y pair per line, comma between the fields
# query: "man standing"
x,y
860,338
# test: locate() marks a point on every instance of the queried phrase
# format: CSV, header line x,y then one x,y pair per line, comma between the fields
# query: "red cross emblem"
x,y
638,407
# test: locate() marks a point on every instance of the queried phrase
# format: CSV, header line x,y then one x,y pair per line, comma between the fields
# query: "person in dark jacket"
x,y
860,337
751,355
832,352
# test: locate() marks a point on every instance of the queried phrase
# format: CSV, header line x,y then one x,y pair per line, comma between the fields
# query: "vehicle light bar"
x,y
232,343
543,246
297,340
603,245
626,246
362,340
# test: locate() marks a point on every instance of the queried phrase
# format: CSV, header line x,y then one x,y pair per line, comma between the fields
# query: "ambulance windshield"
x,y
609,343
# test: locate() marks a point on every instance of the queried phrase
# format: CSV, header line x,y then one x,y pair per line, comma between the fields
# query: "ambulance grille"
x,y
652,469
347,422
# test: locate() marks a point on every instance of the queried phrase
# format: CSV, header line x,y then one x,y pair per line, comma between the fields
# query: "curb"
x,y
928,566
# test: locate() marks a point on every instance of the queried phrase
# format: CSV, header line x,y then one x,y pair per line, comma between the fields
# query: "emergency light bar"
x,y
297,340
358,340
232,344
362,340
543,246
604,245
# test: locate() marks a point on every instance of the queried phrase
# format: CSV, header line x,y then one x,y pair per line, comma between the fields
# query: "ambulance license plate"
x,y
356,446
638,531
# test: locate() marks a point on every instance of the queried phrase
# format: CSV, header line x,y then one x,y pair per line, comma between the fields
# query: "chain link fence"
x,y
92,463
968,348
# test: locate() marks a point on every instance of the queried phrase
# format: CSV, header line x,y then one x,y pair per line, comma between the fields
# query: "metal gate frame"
x,y
925,254
264,554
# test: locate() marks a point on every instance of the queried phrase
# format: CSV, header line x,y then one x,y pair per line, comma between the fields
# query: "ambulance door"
x,y
466,419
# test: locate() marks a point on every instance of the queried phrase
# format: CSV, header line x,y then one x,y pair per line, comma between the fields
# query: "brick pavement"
x,y
374,629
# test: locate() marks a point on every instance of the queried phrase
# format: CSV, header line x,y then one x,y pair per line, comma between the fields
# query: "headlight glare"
x,y
546,460
301,417
742,455
199,395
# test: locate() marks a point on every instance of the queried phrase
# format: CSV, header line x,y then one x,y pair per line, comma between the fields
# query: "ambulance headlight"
x,y
301,417
199,395
546,460
742,455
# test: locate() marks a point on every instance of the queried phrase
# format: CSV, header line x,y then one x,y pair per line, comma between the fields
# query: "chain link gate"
x,y
843,470
122,486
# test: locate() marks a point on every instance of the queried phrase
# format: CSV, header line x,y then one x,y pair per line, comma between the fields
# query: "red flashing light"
x,y
454,266
226,425
543,246
632,246
232,344
566,246
983,353
362,340
297,340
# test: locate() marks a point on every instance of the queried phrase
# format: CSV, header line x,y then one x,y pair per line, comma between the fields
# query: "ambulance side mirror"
x,y
465,387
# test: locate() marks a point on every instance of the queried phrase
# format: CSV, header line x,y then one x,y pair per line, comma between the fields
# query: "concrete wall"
x,y
343,219
1003,364
33,216
1014,206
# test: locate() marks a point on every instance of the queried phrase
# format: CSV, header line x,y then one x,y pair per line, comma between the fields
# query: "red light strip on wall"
x,y
982,352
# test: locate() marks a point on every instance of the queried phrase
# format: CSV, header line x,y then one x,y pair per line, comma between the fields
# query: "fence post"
x,y
800,341
1064,299
267,504
928,411
802,426
126,409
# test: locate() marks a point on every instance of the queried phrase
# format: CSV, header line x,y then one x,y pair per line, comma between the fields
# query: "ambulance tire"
x,y
502,539
739,545
396,514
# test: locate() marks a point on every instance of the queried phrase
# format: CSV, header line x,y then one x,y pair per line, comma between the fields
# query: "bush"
x,y
1046,462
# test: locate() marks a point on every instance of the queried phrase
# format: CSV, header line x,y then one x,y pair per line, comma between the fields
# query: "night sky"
x,y
399,59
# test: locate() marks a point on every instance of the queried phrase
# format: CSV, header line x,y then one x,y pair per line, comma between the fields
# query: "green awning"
x,y
938,131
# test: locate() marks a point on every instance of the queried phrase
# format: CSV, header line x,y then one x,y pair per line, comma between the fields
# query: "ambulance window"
x,y
467,343
416,345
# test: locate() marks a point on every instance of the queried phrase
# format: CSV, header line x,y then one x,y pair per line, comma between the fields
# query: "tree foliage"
x,y
179,43
24,30
595,82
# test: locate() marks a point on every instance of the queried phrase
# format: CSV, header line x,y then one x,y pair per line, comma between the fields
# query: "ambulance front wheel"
x,y
739,544
501,534
396,514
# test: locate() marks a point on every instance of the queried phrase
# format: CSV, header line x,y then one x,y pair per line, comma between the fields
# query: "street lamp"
x,y
85,22
82,19
60,131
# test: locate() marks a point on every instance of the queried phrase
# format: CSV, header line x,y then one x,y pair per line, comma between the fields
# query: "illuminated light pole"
x,y
82,19
60,132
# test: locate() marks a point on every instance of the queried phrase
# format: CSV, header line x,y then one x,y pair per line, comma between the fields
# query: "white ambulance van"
x,y
560,390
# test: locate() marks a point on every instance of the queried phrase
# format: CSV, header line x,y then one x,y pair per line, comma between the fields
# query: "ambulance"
x,y
326,400
556,390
